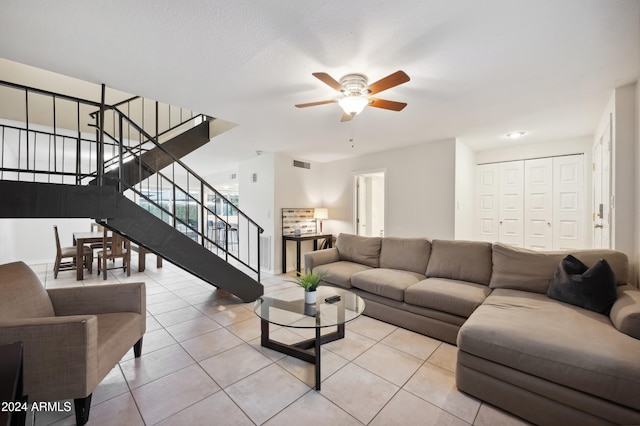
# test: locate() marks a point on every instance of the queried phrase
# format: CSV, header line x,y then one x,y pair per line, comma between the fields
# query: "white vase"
x,y
309,297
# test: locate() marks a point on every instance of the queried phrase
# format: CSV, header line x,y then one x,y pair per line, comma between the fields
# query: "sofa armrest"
x,y
99,299
60,354
625,312
320,257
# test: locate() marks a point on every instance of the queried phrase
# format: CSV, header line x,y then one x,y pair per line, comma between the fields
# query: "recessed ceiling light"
x,y
515,135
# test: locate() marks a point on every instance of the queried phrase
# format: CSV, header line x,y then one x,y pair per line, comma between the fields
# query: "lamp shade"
x,y
353,105
320,213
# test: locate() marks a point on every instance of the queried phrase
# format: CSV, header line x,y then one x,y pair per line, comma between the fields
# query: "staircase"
x,y
97,162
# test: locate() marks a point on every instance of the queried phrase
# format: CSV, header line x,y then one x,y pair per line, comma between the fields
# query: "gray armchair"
x,y
72,336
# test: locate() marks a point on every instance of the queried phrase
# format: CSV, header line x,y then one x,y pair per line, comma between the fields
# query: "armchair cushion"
x,y
21,293
117,332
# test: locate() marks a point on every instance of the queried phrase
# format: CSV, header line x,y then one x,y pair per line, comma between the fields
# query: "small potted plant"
x,y
310,282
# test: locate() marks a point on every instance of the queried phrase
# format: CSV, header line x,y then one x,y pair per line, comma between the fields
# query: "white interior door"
x,y
511,203
568,204
370,204
601,216
487,190
538,204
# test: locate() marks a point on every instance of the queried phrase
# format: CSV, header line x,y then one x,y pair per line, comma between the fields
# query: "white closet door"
x,y
487,190
568,205
538,204
511,203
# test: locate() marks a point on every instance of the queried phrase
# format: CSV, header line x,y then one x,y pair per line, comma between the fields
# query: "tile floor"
x,y
202,364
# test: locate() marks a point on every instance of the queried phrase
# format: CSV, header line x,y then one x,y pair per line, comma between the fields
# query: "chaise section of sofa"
x,y
547,361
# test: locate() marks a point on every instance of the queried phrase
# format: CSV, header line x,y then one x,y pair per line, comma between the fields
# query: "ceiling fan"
x,y
356,92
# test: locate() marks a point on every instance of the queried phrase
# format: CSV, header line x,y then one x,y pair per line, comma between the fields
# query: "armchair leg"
x,y
137,348
82,407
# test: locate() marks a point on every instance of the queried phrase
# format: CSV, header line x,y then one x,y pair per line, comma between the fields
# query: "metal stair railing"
x,y
67,145
184,200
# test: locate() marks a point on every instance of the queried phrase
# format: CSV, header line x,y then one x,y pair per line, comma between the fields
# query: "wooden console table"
x,y
307,237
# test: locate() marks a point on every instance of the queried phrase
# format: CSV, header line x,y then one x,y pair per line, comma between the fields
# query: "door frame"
x,y
356,205
602,212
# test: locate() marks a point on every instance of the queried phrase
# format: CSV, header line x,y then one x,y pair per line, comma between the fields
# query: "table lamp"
x,y
319,214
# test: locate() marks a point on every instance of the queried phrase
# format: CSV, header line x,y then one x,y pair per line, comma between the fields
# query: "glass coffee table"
x,y
287,309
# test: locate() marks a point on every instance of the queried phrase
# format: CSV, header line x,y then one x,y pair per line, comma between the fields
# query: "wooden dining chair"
x,y
96,227
114,247
69,253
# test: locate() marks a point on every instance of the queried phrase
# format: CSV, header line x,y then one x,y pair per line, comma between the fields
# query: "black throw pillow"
x,y
590,288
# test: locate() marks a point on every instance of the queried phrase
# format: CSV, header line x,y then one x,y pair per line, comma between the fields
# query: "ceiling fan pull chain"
x,y
353,132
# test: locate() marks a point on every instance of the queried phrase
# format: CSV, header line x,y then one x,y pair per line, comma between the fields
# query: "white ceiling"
x,y
479,69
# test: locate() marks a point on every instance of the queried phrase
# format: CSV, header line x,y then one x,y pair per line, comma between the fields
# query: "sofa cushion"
x,y
460,260
625,312
618,261
407,254
389,283
455,297
339,273
522,269
23,295
561,343
354,248
591,288
117,332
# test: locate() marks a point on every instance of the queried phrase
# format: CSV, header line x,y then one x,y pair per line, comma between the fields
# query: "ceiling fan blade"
x,y
328,80
346,117
388,82
382,103
316,103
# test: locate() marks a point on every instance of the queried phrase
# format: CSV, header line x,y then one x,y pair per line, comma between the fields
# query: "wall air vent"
x,y
234,176
254,177
301,164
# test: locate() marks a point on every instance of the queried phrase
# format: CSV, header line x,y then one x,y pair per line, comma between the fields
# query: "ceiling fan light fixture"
x,y
353,105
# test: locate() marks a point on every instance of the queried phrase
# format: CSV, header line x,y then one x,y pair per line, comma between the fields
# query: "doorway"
x,y
602,189
370,203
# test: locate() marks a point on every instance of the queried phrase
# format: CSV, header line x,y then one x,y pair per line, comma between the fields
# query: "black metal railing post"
x,y
100,153
78,148
120,155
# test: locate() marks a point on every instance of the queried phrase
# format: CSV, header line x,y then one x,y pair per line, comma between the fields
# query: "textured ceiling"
x,y
479,69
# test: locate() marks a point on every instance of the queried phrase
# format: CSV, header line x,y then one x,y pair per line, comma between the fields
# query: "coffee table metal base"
x,y
307,350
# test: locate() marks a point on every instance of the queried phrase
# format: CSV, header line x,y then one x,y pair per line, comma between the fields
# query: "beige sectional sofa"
x,y
546,361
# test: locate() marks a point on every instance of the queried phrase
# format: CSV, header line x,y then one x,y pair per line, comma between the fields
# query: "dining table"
x,y
79,240
82,238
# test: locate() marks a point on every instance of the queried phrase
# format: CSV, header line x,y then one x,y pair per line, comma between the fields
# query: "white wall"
x,y
256,199
279,185
465,192
420,185
623,183
523,151
32,240
295,187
